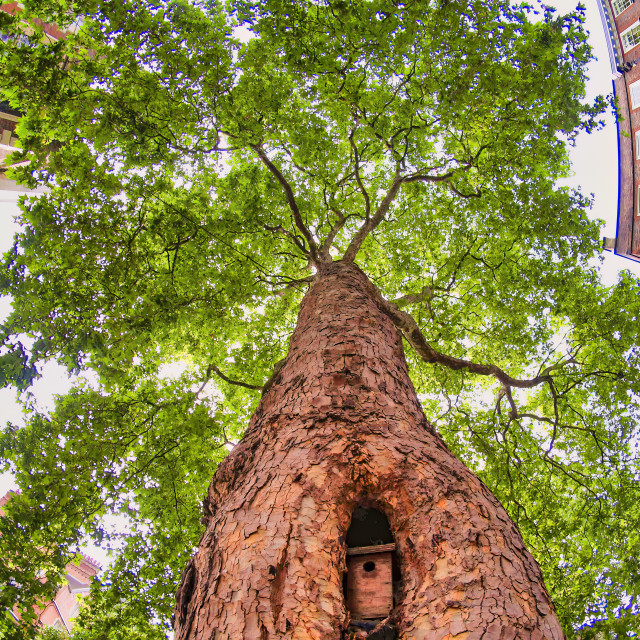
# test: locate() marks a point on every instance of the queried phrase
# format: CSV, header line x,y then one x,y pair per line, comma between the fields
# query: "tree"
x,y
207,164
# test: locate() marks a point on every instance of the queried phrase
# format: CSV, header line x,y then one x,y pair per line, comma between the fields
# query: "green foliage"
x,y
111,614
49,633
199,159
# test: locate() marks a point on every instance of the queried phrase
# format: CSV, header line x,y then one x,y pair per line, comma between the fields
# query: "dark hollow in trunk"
x,y
341,427
368,527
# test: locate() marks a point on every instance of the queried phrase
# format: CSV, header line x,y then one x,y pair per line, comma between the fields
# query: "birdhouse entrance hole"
x,y
372,574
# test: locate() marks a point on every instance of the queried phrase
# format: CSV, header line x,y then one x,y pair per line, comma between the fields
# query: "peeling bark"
x,y
341,426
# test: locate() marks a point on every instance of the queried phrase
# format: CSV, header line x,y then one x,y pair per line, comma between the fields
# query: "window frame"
x,y
615,3
634,101
635,28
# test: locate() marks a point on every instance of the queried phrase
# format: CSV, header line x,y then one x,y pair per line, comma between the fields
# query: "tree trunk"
x,y
341,427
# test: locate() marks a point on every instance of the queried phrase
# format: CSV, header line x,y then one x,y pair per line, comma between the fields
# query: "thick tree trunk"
x,y
341,426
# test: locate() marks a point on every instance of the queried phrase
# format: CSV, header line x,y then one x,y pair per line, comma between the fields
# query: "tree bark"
x,y
341,426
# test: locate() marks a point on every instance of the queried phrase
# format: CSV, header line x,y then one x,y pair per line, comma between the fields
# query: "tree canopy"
x,y
202,159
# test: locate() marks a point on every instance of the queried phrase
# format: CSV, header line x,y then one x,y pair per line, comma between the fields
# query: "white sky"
x,y
595,169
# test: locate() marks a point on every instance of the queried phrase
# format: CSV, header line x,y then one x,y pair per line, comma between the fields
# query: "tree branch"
x,y
365,195
293,236
293,284
558,365
213,369
475,194
426,293
411,331
331,236
514,409
420,177
334,230
372,223
293,205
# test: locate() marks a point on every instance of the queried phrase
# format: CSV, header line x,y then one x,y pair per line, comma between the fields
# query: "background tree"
x,y
201,159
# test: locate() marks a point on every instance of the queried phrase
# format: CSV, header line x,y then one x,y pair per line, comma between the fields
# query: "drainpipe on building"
x,y
66,626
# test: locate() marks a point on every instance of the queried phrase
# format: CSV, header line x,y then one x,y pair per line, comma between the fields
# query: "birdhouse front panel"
x,y
369,585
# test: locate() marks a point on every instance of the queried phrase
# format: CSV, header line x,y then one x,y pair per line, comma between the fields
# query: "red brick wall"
x,y
628,236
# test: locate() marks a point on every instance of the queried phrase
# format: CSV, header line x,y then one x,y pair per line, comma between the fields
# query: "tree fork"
x,y
341,426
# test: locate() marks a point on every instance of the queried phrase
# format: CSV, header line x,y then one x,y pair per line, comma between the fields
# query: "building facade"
x,y
621,20
61,611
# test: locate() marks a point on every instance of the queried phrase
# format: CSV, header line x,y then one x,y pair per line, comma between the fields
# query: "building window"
x,y
620,5
634,92
631,37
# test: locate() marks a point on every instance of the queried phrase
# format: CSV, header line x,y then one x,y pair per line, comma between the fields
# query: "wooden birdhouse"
x,y
370,565
370,581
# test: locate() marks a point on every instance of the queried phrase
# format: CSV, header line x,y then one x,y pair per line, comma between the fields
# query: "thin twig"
x,y
286,232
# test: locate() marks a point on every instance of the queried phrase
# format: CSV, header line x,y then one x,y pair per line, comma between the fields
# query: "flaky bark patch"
x,y
340,426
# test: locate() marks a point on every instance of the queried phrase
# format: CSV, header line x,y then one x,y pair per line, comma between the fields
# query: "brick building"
x,y
621,20
60,612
